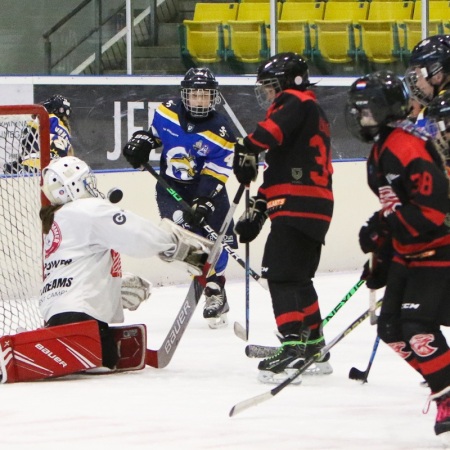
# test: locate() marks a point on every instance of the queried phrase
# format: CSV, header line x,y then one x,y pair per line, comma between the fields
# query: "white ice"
x,y
186,404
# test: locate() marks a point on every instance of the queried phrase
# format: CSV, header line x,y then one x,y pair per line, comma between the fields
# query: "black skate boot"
x,y
289,357
314,346
442,425
216,305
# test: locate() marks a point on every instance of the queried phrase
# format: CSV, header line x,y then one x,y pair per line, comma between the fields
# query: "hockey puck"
x,y
115,195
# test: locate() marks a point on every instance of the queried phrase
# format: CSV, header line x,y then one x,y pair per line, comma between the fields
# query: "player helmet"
x,y
429,57
199,92
58,105
282,71
373,101
438,122
68,178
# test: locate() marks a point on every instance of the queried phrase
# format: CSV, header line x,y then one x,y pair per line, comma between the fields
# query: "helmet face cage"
x,y
199,92
373,101
429,57
67,179
266,90
414,77
438,122
199,102
58,105
290,71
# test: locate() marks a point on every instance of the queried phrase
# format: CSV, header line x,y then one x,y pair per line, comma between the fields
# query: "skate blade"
x,y
217,322
268,377
319,368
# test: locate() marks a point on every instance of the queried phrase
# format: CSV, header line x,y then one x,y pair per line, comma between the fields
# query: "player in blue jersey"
x,y
59,109
196,160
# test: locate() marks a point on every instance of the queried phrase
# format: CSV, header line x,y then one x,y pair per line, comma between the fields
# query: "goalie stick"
x,y
160,358
253,401
263,351
206,227
356,374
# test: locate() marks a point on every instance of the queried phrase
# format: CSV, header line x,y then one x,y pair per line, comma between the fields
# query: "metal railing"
x,y
114,46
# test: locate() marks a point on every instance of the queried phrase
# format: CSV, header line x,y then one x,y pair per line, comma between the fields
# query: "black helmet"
x,y
429,57
438,122
283,71
58,105
375,100
201,79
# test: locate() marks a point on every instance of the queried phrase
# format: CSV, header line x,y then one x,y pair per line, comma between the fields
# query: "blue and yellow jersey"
x,y
194,151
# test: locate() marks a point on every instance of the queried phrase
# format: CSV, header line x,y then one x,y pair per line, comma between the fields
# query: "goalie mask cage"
x,y
24,138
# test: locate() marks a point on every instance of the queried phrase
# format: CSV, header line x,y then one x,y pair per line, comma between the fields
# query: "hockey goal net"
x,y
24,150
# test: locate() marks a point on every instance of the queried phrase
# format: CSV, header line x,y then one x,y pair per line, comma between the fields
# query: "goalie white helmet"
x,y
67,179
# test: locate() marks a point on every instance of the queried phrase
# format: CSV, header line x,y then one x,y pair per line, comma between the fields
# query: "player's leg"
x,y
50,352
110,354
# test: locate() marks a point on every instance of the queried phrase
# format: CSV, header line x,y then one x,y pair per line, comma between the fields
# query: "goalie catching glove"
x,y
138,148
251,222
134,291
192,249
245,163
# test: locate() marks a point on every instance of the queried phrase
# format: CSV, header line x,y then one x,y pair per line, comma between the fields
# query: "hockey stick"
x,y
253,401
262,351
161,357
239,330
185,205
356,374
372,298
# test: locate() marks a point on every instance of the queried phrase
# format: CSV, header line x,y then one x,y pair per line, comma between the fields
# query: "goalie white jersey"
x,y
82,269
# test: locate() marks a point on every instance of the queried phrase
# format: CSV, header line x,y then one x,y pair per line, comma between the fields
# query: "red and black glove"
x,y
251,222
373,234
245,163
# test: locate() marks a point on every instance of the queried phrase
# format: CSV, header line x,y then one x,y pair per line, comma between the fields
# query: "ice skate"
x,y
289,357
321,367
216,305
442,425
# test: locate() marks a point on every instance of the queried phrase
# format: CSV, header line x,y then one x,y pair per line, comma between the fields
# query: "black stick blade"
x,y
356,374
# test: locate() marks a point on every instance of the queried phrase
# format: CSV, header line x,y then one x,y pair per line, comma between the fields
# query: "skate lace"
x,y
282,348
442,399
214,300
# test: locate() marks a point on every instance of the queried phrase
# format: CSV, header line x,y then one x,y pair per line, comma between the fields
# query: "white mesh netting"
x,y
20,226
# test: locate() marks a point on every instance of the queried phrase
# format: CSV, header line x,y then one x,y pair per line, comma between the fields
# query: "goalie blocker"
x,y
66,349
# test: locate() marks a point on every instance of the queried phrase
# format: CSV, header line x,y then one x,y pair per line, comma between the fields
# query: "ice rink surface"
x,y
186,404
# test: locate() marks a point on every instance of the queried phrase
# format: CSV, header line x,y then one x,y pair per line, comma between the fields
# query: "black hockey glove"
x,y
245,163
376,276
201,208
249,227
373,234
138,148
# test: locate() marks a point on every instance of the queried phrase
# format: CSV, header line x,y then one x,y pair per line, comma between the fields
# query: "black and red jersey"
x,y
298,173
413,171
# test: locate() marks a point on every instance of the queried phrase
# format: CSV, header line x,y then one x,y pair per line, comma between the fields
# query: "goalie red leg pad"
x,y
50,352
131,343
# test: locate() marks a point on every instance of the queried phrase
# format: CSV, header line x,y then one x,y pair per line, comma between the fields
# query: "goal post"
x,y
24,152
